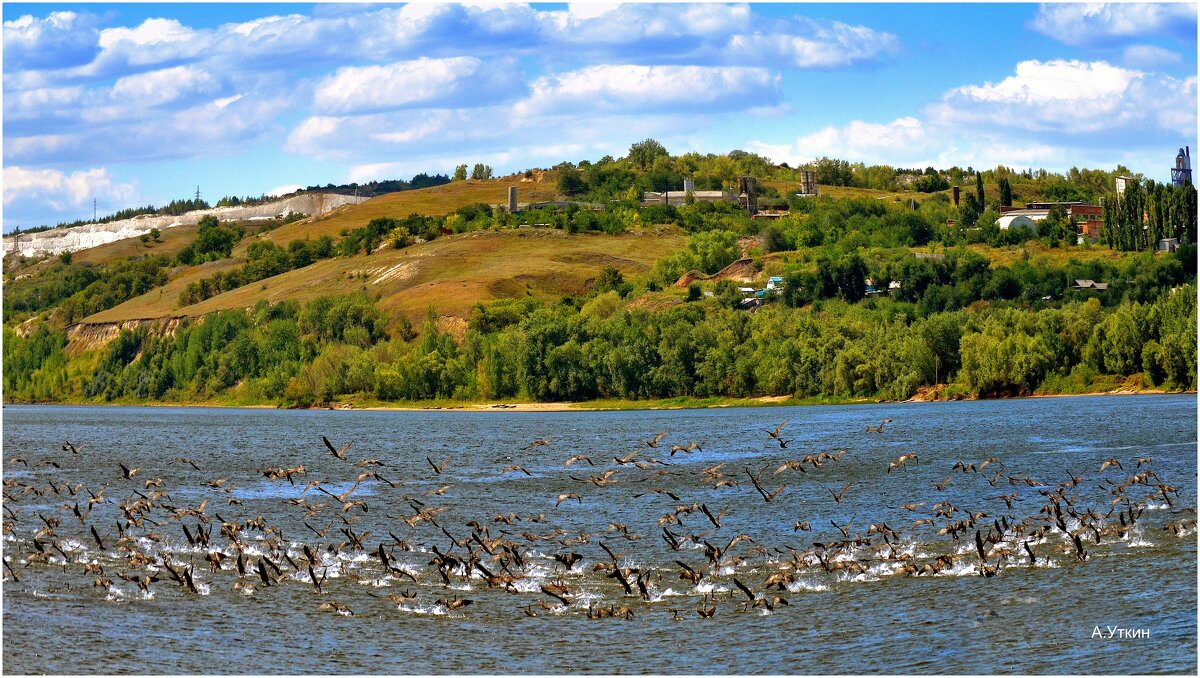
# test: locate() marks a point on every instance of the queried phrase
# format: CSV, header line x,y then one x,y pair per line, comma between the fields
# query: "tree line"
x,y
597,347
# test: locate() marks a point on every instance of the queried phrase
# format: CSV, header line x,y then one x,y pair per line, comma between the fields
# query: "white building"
x,y
1013,220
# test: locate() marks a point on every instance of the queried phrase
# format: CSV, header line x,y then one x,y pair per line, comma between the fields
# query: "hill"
x,y
451,273
433,201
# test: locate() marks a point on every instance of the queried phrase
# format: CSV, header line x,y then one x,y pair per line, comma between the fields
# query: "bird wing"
x,y
744,588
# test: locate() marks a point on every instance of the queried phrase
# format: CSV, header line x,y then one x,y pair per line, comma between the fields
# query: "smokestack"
x,y
955,192
512,199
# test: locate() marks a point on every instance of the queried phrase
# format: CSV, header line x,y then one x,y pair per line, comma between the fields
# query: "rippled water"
x,y
852,602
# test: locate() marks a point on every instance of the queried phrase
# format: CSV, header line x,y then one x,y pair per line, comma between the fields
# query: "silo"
x,y
808,182
689,184
747,195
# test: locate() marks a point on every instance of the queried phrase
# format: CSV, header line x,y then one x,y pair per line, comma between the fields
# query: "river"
x,y
873,568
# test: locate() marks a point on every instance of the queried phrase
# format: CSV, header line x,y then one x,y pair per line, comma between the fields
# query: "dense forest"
x,y
951,318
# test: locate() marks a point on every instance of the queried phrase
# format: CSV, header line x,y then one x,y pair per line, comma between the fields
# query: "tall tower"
x,y
1181,173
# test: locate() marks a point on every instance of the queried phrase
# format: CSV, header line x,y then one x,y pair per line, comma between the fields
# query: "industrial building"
x,y
679,198
1018,219
1181,173
1088,219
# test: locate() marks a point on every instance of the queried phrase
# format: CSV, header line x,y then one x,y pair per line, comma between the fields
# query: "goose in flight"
x,y
567,495
879,428
775,434
340,454
902,462
840,494
575,458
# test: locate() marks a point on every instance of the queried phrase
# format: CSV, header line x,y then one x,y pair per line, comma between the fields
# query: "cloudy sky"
x,y
140,103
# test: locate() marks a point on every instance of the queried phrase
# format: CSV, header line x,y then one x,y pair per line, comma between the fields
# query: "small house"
x,y
1089,286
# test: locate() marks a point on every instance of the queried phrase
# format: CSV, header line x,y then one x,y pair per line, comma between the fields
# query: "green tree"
x,y
644,153
570,181
481,171
460,173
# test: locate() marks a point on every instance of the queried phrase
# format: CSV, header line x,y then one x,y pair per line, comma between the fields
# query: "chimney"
x,y
512,199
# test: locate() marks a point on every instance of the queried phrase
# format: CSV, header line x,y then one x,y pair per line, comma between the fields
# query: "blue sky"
x,y
139,103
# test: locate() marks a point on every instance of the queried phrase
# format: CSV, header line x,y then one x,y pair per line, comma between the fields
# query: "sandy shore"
x,y
607,406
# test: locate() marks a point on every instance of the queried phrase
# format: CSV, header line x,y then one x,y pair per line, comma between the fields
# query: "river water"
x,y
887,580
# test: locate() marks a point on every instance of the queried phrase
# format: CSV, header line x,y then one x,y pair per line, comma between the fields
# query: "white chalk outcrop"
x,y
59,240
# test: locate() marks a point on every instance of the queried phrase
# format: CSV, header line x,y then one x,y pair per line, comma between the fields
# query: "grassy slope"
x,y
435,201
451,273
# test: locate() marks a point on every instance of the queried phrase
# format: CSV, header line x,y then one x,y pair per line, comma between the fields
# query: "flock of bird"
x,y
735,533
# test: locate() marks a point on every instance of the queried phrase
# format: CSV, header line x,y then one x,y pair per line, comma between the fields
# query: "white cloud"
x,y
286,189
423,82
39,102
1053,82
641,23
1070,97
152,41
629,89
34,148
59,191
168,85
1150,56
1100,23
60,40
904,138
813,44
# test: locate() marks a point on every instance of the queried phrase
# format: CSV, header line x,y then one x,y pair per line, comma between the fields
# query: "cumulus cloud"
x,y
39,102
127,133
630,89
151,42
904,138
463,81
356,136
25,189
813,44
1149,56
60,40
163,86
1109,23
1069,97
286,189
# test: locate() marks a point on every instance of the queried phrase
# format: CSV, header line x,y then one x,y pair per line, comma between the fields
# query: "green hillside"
x,y
887,291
